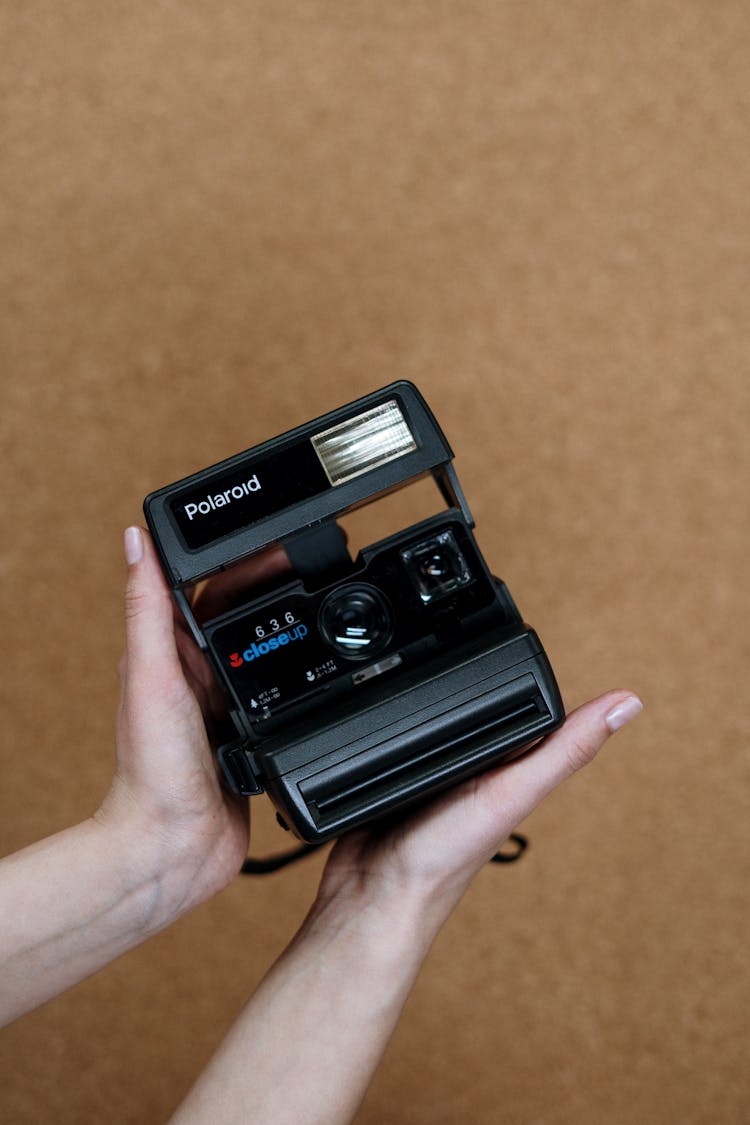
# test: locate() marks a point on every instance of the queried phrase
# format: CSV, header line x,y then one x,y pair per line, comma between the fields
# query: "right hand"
x,y
434,853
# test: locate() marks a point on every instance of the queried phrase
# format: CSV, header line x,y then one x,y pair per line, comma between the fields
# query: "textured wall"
x,y
218,220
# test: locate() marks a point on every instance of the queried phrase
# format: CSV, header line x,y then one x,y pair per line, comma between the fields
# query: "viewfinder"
x,y
436,566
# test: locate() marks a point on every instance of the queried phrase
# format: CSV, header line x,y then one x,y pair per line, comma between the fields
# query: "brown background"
x,y
219,220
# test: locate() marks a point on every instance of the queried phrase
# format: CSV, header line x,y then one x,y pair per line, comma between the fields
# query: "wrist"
x,y
88,894
170,865
378,883
390,919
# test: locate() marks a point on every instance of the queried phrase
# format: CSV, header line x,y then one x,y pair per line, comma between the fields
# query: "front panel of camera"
x,y
403,599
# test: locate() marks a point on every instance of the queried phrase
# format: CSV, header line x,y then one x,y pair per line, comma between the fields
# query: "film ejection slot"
x,y
333,740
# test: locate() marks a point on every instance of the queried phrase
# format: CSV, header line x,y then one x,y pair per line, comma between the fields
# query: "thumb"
x,y
523,784
150,646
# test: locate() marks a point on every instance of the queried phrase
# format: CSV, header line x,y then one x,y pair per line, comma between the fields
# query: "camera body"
x,y
355,686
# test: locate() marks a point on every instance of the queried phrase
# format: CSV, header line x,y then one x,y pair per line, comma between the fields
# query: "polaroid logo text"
x,y
221,499
272,644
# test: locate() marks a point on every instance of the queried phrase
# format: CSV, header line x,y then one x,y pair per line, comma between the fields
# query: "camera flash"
x,y
364,442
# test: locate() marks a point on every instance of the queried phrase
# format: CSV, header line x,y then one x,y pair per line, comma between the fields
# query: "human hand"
x,y
335,995
431,856
166,792
166,836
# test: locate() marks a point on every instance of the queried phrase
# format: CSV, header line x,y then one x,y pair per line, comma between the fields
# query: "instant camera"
x,y
355,686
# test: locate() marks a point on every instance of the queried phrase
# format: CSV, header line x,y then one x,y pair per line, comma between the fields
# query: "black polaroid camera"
x,y
357,685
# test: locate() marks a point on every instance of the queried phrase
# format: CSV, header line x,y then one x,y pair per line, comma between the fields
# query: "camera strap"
x,y
267,864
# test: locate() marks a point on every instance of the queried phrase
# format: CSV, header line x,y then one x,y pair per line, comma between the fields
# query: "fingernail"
x,y
624,712
133,545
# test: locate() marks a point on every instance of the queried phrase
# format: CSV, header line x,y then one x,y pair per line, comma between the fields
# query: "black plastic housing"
x,y
184,565
441,724
464,684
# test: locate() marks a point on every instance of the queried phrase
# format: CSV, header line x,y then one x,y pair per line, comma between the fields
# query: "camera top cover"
x,y
313,473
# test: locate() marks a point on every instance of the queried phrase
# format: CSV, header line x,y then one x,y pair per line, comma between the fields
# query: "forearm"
x,y
307,1044
75,901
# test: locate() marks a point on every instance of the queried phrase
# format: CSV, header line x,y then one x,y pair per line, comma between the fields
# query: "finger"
x,y
519,787
150,646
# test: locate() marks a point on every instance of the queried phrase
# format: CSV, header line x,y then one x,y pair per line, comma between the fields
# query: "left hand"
x,y
166,789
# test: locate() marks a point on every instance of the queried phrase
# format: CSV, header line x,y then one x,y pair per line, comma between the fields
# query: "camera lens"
x,y
356,621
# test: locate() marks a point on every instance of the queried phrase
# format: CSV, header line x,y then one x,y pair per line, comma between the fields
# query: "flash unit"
x,y
354,687
364,442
